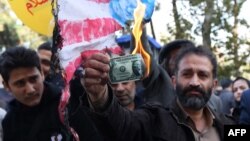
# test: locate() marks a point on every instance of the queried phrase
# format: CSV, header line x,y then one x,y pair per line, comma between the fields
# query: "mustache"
x,y
196,89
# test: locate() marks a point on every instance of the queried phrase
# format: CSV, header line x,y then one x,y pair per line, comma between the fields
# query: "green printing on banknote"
x,y
126,68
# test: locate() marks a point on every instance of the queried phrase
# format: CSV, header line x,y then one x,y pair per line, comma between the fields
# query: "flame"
x,y
137,32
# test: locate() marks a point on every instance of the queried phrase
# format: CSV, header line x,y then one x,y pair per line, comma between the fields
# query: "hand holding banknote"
x,y
94,81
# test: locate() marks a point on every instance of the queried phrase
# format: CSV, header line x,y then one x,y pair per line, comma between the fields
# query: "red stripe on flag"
x,y
88,53
100,1
86,30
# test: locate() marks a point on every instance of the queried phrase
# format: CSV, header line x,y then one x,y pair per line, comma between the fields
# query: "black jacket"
x,y
41,123
150,122
156,86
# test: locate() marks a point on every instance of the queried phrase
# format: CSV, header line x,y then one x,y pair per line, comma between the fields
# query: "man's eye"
x,y
20,83
187,74
45,62
125,83
203,75
243,87
33,79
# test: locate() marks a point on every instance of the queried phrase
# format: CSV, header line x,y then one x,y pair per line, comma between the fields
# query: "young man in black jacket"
x,y
33,114
187,119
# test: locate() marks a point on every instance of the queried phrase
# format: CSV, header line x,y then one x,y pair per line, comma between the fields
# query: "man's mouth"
x,y
194,93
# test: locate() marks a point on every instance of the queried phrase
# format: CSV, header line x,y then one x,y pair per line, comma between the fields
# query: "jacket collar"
x,y
181,117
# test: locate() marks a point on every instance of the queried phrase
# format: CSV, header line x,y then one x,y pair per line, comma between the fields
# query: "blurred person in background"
x,y
240,84
2,115
126,94
226,95
245,108
5,96
44,52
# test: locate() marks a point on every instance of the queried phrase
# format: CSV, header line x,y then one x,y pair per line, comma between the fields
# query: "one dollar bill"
x,y
126,68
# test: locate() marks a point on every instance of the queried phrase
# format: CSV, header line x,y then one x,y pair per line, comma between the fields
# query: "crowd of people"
x,y
179,100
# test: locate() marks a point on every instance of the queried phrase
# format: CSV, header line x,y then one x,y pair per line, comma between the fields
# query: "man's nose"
x,y
239,91
194,81
119,87
29,88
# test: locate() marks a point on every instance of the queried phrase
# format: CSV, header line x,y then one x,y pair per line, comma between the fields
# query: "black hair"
x,y
45,46
225,82
17,57
201,51
242,78
167,48
166,51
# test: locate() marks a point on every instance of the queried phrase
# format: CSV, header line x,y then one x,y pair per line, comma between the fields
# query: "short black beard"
x,y
192,102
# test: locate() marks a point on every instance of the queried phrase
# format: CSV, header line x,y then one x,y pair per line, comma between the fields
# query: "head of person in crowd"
x,y
168,54
240,84
22,75
45,53
125,93
226,84
195,77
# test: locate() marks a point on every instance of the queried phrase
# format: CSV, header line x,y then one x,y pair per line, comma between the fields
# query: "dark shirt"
x,y
55,79
245,108
227,100
151,122
158,86
41,122
236,111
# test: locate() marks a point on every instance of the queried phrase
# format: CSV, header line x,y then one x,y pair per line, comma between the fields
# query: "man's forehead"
x,y
22,73
197,61
44,52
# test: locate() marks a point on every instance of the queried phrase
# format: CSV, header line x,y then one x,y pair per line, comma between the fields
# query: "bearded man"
x,y
188,119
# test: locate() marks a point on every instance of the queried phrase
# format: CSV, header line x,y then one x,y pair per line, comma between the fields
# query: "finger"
x,y
104,58
95,64
93,73
91,81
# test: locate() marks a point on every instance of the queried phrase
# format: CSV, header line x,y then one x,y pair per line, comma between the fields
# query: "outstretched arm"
x,y
158,85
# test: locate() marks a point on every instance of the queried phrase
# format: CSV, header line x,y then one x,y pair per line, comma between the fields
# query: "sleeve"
x,y
118,123
158,86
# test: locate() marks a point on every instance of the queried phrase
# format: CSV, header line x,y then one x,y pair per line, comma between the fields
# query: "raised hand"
x,y
95,78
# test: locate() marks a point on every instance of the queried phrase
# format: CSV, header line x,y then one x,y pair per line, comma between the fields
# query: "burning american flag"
x,y
84,27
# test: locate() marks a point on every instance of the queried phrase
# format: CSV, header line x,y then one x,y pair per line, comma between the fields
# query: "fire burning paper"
x,y
137,32
138,11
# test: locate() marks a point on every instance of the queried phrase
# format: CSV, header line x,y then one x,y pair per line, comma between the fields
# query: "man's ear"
x,y
42,74
215,83
173,78
6,86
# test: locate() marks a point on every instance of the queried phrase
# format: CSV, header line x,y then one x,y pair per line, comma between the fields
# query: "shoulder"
x,y
9,119
155,109
224,118
246,94
152,105
2,113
